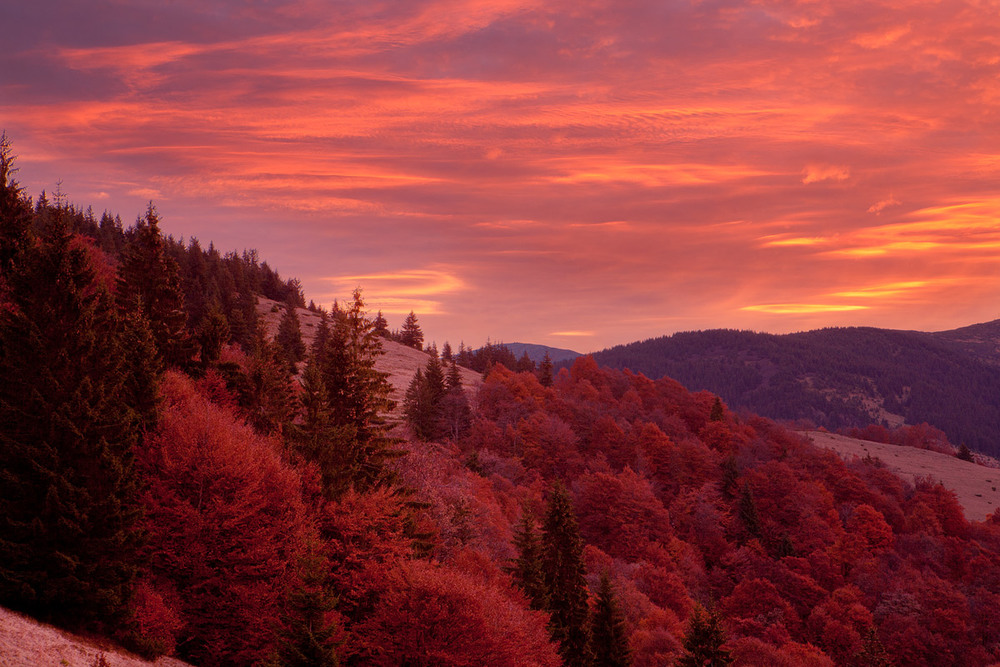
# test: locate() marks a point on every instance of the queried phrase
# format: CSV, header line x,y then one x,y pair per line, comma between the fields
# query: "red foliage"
x,y
620,513
435,616
226,524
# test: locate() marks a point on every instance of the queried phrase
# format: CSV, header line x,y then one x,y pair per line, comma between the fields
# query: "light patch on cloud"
x,y
883,204
819,173
882,38
779,240
882,291
572,334
402,291
802,308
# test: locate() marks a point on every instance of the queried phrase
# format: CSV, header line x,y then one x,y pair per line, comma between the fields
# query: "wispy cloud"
x,y
619,170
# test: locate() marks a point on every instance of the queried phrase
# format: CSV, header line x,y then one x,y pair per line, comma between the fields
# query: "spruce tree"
x,y
15,211
411,335
74,400
748,511
527,567
380,326
148,280
308,635
703,643
545,371
564,575
289,337
718,413
358,397
608,635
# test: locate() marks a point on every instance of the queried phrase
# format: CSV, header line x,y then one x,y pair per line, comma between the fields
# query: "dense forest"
x,y
169,483
835,378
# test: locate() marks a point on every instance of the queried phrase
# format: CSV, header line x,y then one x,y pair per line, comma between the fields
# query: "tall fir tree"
x,y
527,567
704,642
411,335
74,400
564,575
545,370
308,634
358,398
608,635
289,337
148,280
15,210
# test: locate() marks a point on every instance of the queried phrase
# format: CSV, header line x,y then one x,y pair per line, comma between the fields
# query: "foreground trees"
x,y
76,394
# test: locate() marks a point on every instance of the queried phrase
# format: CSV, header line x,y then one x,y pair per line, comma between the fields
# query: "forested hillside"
x,y
835,378
169,483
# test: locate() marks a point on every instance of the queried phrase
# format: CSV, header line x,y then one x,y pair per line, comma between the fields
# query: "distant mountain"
x,y
840,377
537,352
979,340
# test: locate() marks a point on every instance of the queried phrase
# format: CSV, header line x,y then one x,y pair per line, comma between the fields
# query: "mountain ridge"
x,y
839,377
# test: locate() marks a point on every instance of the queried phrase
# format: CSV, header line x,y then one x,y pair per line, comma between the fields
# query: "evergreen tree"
x,y
289,337
446,352
527,567
358,397
545,371
269,398
873,653
730,477
718,414
411,335
609,636
380,326
15,211
965,453
148,280
308,636
73,403
748,511
703,642
213,333
564,575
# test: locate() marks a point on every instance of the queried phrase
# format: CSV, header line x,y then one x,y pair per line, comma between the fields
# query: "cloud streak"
x,y
518,170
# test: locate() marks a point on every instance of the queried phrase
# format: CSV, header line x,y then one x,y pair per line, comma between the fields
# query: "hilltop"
x,y
841,377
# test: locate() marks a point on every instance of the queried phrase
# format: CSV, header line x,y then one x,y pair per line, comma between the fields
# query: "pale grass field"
x,y
974,485
28,643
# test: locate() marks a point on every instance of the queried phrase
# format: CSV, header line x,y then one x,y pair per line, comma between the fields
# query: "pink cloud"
x,y
622,169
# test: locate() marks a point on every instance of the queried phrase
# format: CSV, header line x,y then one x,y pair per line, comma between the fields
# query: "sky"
x,y
577,173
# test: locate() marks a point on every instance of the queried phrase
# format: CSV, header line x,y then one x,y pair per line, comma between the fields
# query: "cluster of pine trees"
x,y
435,405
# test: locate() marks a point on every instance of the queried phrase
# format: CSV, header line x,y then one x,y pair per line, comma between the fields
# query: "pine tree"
x,y
609,636
289,337
148,280
411,335
527,567
873,653
308,636
545,371
564,575
718,414
358,396
213,333
380,326
73,403
15,211
748,511
703,642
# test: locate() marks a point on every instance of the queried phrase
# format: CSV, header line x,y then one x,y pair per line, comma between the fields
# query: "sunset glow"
x,y
575,174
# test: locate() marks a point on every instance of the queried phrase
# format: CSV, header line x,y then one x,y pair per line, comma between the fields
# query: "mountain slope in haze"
x,y
980,340
537,352
837,377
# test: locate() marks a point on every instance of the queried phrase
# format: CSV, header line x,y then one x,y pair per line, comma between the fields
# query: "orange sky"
x,y
583,174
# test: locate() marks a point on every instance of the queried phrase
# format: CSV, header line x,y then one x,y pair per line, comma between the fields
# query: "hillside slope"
x,y
834,377
25,642
399,361
975,486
